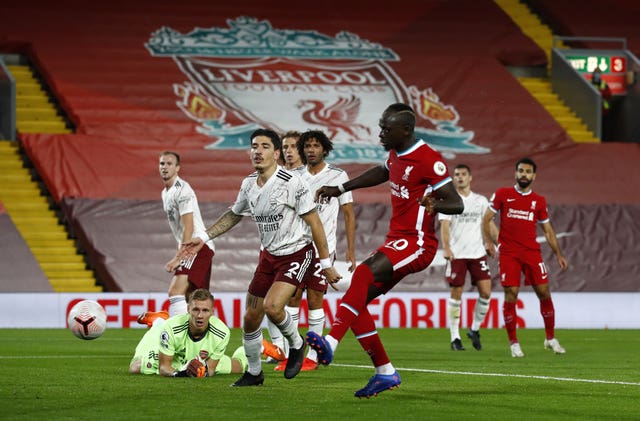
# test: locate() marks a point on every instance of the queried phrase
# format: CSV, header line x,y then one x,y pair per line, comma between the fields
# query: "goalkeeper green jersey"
x,y
172,338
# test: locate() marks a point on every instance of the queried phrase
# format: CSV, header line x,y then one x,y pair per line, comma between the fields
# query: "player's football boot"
x,y
281,365
309,365
378,384
249,379
474,335
294,363
148,317
456,345
516,351
270,350
322,347
555,345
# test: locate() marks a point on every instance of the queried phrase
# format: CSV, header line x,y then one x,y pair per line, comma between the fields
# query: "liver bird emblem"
x,y
337,117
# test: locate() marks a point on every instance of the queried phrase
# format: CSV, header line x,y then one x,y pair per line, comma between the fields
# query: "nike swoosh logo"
x,y
510,200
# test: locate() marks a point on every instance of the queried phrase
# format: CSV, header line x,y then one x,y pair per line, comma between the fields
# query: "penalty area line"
x,y
520,376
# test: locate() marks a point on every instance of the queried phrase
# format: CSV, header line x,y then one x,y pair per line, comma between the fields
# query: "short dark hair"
x,y
463,166
405,113
275,139
318,135
172,153
527,161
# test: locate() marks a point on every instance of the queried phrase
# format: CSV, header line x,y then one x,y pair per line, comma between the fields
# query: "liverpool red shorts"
x,y
528,263
406,257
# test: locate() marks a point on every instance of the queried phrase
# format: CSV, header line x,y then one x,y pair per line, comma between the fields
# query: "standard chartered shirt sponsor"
x,y
519,214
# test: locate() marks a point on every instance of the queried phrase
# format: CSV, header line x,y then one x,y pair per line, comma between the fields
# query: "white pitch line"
x,y
416,370
521,376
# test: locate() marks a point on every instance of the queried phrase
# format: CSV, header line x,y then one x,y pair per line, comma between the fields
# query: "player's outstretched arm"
x,y
227,221
371,177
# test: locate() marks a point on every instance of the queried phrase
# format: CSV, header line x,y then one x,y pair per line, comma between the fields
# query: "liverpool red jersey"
x,y
412,174
519,215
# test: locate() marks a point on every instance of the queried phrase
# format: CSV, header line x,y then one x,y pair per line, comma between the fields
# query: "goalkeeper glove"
x,y
197,368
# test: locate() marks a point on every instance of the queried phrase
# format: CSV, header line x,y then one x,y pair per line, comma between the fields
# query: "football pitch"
x,y
50,374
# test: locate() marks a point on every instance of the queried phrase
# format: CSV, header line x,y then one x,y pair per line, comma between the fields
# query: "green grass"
x,y
49,374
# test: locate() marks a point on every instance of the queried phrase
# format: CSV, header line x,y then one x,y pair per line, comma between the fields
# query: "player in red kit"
x,y
521,210
420,186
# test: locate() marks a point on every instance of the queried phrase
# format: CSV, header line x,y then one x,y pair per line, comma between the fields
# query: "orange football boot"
x,y
148,317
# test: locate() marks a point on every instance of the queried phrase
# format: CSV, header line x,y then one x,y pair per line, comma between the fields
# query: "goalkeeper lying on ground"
x,y
188,345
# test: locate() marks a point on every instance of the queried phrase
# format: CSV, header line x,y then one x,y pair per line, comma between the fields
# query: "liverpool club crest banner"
x,y
251,75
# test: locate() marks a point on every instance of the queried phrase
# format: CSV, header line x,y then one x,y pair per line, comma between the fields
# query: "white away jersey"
x,y
179,200
275,207
330,175
465,230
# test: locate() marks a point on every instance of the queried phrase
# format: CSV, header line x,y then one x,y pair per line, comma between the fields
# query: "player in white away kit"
x,y
292,160
180,203
419,185
282,207
314,146
465,250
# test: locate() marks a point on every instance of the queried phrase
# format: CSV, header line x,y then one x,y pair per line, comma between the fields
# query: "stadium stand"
x,y
613,18
126,104
56,255
20,270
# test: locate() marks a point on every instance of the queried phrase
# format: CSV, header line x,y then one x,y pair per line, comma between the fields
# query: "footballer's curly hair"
x,y
320,136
